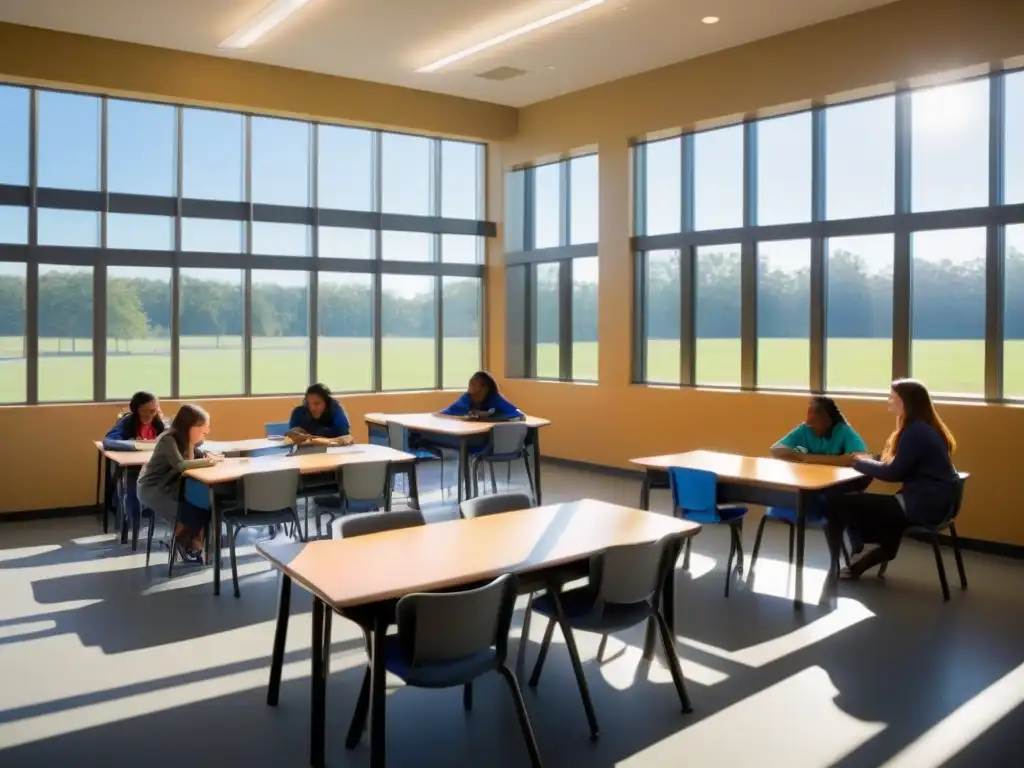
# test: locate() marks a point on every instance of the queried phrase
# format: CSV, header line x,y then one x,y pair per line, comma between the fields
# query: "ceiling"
x,y
387,40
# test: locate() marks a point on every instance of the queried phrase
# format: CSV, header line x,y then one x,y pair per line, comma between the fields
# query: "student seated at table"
x,y
320,417
825,437
918,454
176,451
483,401
144,421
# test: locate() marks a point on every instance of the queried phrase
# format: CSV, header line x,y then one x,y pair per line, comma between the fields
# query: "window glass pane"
x,y
271,238
662,316
461,249
344,359
547,206
70,228
461,321
280,161
545,321
584,318
949,146
69,141
1013,318
212,235
783,314
515,211
13,382
13,225
858,321
1013,154
860,159
213,155
345,168
718,178
65,333
345,243
406,246
406,174
583,213
138,331
211,327
140,231
407,320
461,180
280,331
717,315
663,188
141,148
14,128
784,169
948,310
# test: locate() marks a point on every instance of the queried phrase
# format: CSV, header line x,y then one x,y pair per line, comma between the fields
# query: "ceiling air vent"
x,y
502,73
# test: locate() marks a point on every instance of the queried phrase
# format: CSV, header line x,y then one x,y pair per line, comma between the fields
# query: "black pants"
x,y
871,518
191,517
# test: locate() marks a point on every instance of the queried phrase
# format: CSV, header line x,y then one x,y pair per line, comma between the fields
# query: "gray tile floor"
x,y
104,663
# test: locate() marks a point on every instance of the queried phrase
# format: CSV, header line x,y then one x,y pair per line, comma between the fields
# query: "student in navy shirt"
x,y
320,415
144,421
483,401
917,454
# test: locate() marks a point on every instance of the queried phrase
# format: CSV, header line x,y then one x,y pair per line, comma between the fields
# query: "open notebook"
x,y
144,445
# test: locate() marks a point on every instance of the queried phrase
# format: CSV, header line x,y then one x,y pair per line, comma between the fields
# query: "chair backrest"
x,y
508,439
365,481
376,522
693,490
275,428
271,491
494,505
629,574
398,436
958,497
452,625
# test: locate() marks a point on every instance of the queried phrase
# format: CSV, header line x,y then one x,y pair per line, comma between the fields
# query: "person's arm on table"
x,y
459,408
900,466
791,447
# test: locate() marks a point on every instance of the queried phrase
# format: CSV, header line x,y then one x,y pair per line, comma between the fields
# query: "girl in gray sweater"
x,y
159,482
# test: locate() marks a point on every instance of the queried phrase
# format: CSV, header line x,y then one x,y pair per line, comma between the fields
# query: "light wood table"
x,y
368,573
463,432
234,469
754,480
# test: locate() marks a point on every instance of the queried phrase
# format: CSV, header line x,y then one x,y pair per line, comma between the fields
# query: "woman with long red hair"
x,y
918,454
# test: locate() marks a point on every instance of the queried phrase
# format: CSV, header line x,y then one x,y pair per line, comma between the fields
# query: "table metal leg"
x,y
214,539
414,487
284,602
318,685
464,481
801,527
645,492
101,504
536,466
378,698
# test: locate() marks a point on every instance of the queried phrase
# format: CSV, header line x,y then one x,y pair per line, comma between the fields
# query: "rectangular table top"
x,y
382,566
446,425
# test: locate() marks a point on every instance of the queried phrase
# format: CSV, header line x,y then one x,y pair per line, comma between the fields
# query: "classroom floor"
x,y
102,663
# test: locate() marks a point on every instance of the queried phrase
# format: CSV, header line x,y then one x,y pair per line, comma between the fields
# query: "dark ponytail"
x,y
828,406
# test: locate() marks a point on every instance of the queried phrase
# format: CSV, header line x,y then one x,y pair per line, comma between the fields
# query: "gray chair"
x,y
449,639
362,487
268,498
398,439
506,445
624,590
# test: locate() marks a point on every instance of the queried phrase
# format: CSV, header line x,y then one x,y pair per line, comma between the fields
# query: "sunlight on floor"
x,y
775,578
624,664
8,555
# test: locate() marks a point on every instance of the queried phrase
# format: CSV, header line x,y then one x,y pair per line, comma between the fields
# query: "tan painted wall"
x,y
615,420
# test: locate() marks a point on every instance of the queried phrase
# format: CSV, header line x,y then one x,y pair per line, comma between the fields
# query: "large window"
x,y
552,223
871,240
199,252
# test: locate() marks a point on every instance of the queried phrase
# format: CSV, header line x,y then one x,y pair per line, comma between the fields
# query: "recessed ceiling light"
x,y
517,32
710,20
262,23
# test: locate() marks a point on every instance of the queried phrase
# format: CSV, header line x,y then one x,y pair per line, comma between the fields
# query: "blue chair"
x,y
276,428
695,498
815,518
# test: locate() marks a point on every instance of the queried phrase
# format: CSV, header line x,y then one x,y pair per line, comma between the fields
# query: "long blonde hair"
x,y
917,406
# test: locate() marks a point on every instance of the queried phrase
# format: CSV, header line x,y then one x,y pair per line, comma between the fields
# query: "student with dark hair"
x,y
919,455
482,400
144,421
319,416
825,437
176,452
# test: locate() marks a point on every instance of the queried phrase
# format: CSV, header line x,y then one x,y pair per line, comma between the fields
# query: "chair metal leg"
x,y
672,660
792,543
577,665
846,553
538,665
728,562
149,536
529,475
939,565
521,713
298,527
232,535
956,553
494,483
757,543
173,545
136,523
686,554
524,636
738,533
601,648
358,724
467,697
882,568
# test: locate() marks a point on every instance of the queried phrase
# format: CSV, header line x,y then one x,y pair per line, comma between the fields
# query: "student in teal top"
x,y
825,437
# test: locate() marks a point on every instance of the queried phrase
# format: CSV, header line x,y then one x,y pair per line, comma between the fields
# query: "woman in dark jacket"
x,y
144,421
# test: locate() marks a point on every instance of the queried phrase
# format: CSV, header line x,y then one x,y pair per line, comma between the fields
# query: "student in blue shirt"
x,y
483,401
144,421
825,437
319,416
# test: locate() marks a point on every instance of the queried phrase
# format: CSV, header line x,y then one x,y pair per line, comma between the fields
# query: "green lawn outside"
x,y
280,365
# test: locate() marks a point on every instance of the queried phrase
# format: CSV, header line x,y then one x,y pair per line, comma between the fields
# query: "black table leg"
x,y
101,504
645,492
122,504
378,698
464,479
284,602
318,686
214,537
536,465
414,487
801,527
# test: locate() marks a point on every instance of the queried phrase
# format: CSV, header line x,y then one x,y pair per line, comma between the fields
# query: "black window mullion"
x,y
995,242
99,306
748,262
247,271
32,267
819,261
902,272
687,268
378,296
565,320
175,329
313,295
438,256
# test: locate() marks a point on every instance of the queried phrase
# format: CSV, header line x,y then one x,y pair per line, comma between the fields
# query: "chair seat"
x,y
333,505
815,515
578,605
421,453
437,674
725,513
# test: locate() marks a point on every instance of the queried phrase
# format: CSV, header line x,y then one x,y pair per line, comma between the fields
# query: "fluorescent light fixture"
x,y
263,22
518,32
710,20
